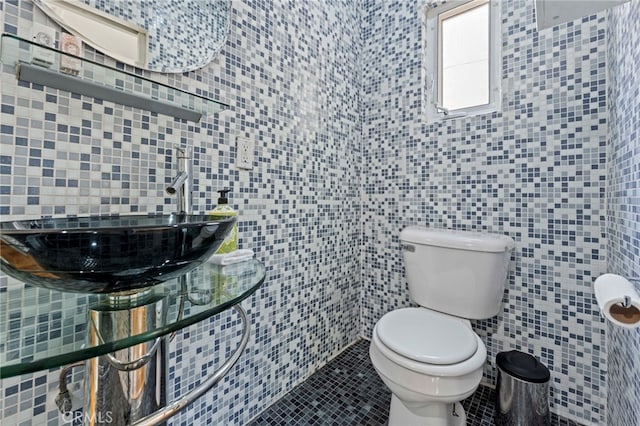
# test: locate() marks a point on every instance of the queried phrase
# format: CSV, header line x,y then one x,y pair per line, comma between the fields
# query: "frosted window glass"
x,y
465,59
466,85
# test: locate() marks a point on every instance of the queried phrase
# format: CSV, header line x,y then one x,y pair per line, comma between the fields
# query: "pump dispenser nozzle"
x,y
223,196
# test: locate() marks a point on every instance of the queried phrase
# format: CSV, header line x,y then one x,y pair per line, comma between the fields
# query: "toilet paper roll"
x,y
612,291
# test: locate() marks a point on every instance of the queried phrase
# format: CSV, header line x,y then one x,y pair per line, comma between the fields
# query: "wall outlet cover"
x,y
244,153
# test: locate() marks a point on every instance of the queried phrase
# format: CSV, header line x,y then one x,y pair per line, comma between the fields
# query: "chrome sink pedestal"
x,y
124,397
127,385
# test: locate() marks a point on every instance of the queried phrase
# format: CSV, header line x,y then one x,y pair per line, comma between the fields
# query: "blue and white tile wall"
x,y
623,201
290,71
305,88
535,171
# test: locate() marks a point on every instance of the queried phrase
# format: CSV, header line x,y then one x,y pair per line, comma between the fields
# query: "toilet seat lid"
x,y
427,336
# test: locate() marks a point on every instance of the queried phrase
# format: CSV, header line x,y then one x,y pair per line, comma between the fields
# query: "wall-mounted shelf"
x,y
102,81
41,328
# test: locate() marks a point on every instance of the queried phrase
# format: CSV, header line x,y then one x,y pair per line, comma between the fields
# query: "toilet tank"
x,y
459,273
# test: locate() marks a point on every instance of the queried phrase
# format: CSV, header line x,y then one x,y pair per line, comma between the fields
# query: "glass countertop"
x,y
41,328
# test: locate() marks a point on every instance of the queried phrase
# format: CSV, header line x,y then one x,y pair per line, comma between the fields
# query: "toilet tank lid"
x,y
464,240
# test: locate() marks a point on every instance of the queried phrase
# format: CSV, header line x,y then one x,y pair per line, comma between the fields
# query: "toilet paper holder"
x,y
626,303
618,299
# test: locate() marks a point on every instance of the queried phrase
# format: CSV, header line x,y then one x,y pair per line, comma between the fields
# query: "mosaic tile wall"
x,y
290,72
535,171
623,201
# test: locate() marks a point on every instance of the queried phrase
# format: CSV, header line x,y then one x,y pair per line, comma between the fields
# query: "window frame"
x,y
432,59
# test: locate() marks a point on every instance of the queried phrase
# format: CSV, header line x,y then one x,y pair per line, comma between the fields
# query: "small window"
x,y
462,53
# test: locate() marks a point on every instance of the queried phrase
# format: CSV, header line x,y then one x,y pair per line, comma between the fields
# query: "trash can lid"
x,y
523,366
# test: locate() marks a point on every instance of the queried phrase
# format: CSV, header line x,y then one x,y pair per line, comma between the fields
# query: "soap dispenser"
x,y
223,209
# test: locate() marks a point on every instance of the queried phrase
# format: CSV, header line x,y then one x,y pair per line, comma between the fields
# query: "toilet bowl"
x,y
429,356
428,360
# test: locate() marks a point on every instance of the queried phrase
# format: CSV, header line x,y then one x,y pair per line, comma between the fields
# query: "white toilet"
x,y
430,357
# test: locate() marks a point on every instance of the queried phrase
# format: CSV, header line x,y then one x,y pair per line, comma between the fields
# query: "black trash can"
x,y
522,392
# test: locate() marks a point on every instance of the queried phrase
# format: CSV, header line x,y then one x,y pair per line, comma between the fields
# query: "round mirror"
x,y
170,36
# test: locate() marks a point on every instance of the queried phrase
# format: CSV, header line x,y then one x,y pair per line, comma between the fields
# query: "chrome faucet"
x,y
182,183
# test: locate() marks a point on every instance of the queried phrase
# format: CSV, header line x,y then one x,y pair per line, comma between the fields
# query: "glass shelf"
x,y
42,65
41,328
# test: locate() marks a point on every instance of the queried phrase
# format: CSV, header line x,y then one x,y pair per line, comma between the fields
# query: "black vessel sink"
x,y
108,254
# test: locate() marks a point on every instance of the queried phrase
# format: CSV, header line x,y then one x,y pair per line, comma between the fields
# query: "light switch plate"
x,y
244,153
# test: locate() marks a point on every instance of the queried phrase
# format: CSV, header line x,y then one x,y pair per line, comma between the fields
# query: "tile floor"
x,y
347,391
